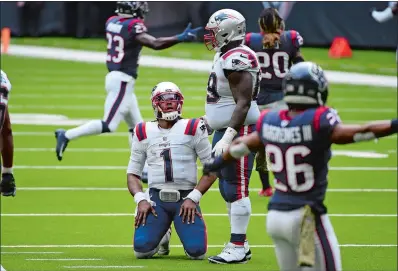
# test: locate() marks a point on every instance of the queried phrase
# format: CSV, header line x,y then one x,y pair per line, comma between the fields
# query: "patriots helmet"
x,y
133,9
167,101
224,26
305,85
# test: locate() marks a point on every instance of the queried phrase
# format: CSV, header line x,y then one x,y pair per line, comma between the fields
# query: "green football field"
x,y
78,215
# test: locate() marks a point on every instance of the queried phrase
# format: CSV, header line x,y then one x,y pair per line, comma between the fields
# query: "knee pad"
x,y
200,255
146,255
241,207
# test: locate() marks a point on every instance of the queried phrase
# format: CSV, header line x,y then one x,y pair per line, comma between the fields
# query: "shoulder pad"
x,y
111,18
239,59
254,40
140,131
296,38
191,127
137,26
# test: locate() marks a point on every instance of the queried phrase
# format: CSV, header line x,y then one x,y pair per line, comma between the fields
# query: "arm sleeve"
x,y
202,143
137,157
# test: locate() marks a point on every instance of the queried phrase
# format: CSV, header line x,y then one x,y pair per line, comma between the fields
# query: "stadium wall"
x,y
318,22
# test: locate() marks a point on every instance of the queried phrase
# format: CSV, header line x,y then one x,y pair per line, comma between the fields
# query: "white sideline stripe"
x,y
103,267
174,246
205,215
31,252
184,64
74,150
193,108
211,189
199,98
66,259
124,168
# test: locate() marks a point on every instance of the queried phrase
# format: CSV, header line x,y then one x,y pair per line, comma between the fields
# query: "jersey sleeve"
x,y
239,60
325,120
136,27
137,157
296,38
202,143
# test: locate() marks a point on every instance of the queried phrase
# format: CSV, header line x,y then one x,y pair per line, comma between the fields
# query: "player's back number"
x,y
272,60
115,42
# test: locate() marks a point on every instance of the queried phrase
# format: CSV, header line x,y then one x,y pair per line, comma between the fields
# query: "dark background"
x,y
317,22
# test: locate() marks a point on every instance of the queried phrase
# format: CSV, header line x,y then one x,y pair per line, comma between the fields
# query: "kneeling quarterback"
x,y
298,143
170,145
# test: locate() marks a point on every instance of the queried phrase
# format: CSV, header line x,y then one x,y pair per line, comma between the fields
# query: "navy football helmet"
x,y
136,9
305,85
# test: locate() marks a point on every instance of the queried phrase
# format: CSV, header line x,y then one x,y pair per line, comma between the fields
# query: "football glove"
x,y
189,34
214,166
224,142
7,185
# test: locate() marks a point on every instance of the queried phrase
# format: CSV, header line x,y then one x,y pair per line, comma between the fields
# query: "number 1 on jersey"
x,y
168,165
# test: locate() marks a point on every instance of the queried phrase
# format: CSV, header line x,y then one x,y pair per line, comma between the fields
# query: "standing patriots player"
x,y
126,35
7,185
298,143
171,146
231,110
277,50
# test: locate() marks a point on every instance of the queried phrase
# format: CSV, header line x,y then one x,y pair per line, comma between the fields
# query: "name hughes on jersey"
x,y
296,134
115,28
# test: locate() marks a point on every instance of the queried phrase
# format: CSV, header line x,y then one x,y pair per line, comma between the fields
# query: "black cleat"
x,y
62,143
7,185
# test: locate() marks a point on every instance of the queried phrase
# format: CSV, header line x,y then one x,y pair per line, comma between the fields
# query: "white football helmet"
x,y
224,25
167,101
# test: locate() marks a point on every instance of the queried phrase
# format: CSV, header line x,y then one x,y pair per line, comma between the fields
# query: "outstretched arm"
x,y
345,133
162,43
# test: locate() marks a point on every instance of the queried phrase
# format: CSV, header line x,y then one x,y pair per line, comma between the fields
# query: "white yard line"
x,y
173,246
31,252
184,64
65,259
124,189
199,167
103,267
205,215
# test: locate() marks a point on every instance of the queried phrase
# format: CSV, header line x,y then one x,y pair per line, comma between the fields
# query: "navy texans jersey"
x,y
274,62
123,49
298,152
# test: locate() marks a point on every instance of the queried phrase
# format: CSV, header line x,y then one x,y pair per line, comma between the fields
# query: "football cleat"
x,y
231,254
247,250
266,192
62,143
164,245
7,185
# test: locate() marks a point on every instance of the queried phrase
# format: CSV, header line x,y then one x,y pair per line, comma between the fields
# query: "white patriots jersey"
x,y
171,154
5,86
220,103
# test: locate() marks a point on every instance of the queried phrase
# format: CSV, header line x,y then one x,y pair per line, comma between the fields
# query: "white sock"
x,y
137,118
6,170
229,212
240,215
93,127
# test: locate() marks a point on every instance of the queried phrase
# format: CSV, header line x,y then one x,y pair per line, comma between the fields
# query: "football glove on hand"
x,y
224,142
214,165
189,34
7,185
